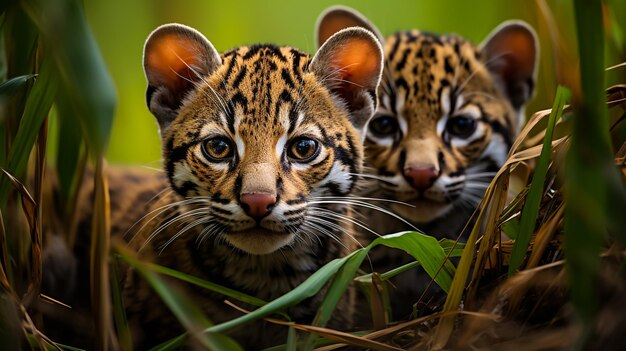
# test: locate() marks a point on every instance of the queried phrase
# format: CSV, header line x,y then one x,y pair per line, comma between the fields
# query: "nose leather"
x,y
258,205
421,177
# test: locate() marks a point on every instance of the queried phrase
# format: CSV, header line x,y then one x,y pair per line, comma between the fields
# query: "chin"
x,y
424,212
259,241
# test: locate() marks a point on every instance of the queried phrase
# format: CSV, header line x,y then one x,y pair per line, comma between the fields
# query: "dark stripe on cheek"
x,y
442,162
187,188
497,127
217,197
216,209
401,161
237,187
299,200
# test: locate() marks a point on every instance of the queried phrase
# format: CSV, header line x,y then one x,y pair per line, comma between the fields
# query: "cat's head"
x,y
448,111
254,134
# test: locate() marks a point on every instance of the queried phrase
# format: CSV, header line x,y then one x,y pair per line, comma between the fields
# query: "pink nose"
x,y
421,177
257,206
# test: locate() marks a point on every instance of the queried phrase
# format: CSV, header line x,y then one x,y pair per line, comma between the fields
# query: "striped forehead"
x,y
262,83
420,67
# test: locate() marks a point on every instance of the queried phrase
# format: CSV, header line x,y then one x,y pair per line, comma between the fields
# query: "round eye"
x,y
218,149
384,126
461,127
303,149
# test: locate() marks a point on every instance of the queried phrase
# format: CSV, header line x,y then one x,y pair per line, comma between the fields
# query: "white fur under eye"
x,y
220,166
301,166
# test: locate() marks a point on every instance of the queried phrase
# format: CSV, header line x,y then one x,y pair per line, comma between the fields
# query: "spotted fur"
x,y
448,113
237,205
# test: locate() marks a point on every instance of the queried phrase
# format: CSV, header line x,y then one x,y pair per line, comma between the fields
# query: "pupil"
x,y
304,147
219,147
384,126
462,126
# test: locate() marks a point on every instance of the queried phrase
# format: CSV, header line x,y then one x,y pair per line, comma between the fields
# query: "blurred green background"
x,y
121,26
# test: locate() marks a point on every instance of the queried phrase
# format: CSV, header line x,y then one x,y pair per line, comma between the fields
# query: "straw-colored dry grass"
x,y
520,281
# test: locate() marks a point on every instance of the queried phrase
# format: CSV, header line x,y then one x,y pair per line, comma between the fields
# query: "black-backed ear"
x,y
350,64
336,18
511,53
175,59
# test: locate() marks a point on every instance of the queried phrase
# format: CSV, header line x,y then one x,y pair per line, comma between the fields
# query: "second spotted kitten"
x,y
448,113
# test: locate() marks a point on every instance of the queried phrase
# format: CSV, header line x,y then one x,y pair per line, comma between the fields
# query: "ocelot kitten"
x,y
448,113
253,141
257,143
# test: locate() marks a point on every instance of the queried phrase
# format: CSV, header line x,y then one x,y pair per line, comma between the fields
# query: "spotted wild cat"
x,y
448,113
253,140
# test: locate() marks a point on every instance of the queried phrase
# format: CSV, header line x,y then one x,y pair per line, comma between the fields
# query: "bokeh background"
x,y
121,26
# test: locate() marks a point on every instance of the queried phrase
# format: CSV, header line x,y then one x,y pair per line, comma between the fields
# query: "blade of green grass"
x,y
119,311
185,311
199,282
292,340
307,289
334,293
593,191
80,65
69,151
422,247
533,200
20,47
12,85
99,258
176,343
425,249
37,106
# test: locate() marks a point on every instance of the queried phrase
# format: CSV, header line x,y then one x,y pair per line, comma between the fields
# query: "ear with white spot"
x,y
350,65
511,53
175,59
336,18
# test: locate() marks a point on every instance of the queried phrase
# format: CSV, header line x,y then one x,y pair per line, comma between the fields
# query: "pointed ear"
x,y
511,52
175,59
336,18
350,64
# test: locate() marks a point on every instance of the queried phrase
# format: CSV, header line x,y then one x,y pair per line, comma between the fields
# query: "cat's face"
x,y
448,113
257,134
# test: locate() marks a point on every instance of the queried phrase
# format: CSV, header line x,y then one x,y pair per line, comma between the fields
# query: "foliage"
x,y
565,220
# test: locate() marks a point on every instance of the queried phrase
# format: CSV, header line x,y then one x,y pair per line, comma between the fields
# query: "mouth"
x,y
258,240
423,210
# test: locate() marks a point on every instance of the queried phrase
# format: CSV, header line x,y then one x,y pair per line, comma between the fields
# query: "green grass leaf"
x,y
37,106
82,72
192,318
425,249
119,311
530,210
12,85
422,247
307,289
594,190
206,284
334,293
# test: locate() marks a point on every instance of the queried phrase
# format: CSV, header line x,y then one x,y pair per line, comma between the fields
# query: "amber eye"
x,y
303,149
461,127
218,149
384,126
